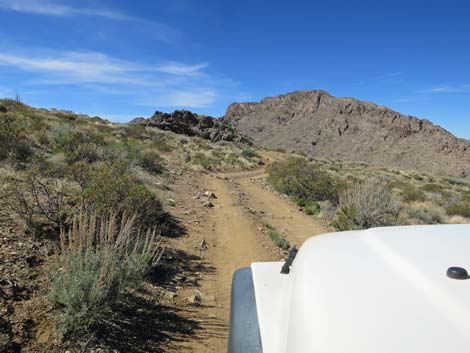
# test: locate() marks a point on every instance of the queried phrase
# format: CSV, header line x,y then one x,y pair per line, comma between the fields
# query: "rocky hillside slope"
x,y
323,126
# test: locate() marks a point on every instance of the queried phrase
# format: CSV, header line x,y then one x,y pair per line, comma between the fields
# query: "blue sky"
x,y
120,59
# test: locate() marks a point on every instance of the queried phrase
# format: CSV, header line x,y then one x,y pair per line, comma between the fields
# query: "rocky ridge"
x,y
323,126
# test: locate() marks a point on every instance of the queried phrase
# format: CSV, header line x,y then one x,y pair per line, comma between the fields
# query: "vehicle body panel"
x,y
380,290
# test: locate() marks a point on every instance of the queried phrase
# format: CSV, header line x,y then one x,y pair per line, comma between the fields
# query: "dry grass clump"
x,y
99,260
366,205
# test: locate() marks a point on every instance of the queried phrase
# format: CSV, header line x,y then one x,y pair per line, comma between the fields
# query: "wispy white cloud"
x,y
55,8
60,8
166,84
465,88
92,67
175,68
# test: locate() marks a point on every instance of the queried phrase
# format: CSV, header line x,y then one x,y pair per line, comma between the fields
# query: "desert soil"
x,y
220,239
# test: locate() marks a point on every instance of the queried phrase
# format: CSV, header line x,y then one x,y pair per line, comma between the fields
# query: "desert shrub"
x,y
249,153
15,144
160,143
206,162
411,194
78,145
277,237
135,131
426,213
206,135
432,188
151,162
459,209
312,208
299,201
100,258
366,205
113,187
302,180
3,109
42,205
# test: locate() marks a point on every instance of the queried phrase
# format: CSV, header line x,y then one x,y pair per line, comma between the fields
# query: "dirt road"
x,y
228,236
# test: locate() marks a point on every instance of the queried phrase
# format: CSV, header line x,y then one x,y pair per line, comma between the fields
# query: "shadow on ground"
x,y
178,268
139,323
173,228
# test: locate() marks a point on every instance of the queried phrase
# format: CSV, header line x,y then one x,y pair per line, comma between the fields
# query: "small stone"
x,y
208,204
194,299
210,195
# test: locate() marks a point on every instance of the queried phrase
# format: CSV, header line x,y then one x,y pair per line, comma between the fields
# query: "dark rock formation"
x,y
186,123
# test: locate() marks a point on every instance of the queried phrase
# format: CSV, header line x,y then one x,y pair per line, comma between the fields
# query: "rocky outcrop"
x,y
187,123
320,125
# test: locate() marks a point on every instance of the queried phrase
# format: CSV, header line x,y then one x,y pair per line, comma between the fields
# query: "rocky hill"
x,y
320,125
186,123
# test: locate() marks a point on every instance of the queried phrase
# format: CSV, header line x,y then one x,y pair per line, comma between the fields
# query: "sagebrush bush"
x,y
366,205
302,180
100,258
113,186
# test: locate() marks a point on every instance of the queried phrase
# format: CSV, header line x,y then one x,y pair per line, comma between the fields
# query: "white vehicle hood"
x,y
382,290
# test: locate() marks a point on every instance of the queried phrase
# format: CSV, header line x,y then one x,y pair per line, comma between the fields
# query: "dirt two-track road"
x,y
223,238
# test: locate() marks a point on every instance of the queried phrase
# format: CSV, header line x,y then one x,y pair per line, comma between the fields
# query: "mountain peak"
x,y
324,126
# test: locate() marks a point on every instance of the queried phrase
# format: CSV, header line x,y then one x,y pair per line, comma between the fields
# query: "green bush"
x,y
15,144
152,162
78,145
206,135
113,187
302,180
98,261
277,237
366,205
249,153
312,208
